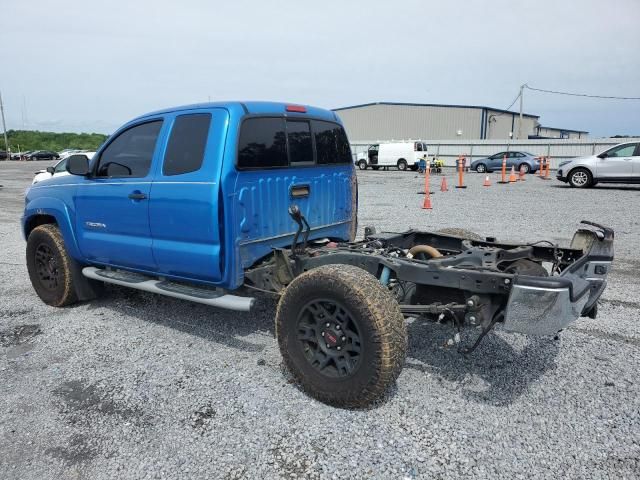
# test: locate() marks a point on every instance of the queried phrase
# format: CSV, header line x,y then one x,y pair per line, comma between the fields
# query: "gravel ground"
x,y
140,386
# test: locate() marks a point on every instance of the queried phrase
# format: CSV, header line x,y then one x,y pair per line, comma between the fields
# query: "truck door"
x,y
183,209
112,205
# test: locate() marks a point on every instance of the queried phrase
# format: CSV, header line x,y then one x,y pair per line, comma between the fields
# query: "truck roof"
x,y
251,108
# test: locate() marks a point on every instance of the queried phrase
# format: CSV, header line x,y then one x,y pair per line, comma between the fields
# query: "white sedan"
x,y
59,168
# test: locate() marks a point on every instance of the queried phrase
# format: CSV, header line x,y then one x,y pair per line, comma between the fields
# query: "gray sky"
x,y
82,65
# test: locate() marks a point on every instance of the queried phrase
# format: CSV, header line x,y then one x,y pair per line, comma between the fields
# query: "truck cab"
x,y
199,193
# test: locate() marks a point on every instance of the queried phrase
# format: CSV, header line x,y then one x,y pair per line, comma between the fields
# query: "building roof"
x,y
480,107
562,129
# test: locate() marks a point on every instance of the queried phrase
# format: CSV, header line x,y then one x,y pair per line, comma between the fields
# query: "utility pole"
x,y
520,119
4,128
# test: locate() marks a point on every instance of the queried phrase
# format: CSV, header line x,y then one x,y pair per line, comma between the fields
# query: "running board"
x,y
207,296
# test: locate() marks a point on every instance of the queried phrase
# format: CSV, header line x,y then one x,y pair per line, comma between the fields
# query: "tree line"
x,y
23,140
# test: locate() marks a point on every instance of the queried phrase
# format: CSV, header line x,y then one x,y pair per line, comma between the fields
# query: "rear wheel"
x,y
524,167
402,164
580,178
362,165
341,335
49,266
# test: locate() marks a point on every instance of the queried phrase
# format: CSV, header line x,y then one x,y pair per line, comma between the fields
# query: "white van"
x,y
402,155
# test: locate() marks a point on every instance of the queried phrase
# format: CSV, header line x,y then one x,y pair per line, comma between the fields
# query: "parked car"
x,y
59,168
208,203
402,155
619,164
527,161
43,155
19,155
68,151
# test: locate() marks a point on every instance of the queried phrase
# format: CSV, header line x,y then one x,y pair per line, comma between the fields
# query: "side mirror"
x,y
51,170
603,155
78,165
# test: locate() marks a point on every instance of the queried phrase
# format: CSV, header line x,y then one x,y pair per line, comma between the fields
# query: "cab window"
x,y
185,150
62,165
262,143
332,145
130,153
299,138
267,142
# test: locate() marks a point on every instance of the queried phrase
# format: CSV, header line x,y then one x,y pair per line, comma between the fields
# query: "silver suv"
x,y
619,164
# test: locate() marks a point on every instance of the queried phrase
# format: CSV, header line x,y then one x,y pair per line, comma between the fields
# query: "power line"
x,y
514,101
572,94
506,110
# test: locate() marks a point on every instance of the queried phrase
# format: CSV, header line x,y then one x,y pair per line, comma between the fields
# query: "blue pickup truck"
x,y
218,202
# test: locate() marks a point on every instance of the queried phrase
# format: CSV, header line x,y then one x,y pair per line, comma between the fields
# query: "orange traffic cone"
x,y
427,202
487,182
512,175
522,174
443,185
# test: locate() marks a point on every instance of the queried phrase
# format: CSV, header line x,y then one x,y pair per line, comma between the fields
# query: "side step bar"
x,y
207,296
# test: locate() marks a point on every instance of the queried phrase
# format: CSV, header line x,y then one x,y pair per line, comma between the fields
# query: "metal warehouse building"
x,y
397,121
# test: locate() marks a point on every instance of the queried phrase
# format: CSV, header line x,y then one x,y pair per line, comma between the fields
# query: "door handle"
x,y
300,191
137,196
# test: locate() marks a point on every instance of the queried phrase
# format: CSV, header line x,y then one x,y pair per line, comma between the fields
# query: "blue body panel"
x,y
205,226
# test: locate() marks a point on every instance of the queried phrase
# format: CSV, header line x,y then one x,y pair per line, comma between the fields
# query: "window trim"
x,y
308,118
98,156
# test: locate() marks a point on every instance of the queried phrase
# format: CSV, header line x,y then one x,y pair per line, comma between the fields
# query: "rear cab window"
x,y
278,142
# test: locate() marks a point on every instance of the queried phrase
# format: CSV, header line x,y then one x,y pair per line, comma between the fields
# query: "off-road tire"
x,y
582,173
48,238
383,336
402,164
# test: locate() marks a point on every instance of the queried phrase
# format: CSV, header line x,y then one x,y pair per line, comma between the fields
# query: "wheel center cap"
x,y
332,338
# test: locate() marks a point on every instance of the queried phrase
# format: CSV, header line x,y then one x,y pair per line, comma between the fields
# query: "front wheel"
x,y
341,335
362,165
580,178
481,168
49,266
